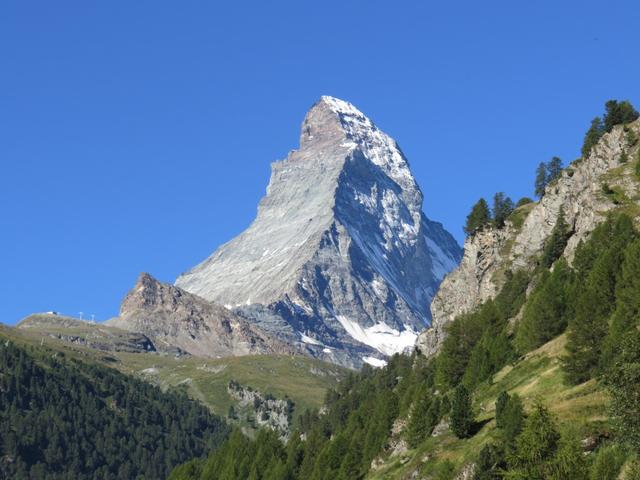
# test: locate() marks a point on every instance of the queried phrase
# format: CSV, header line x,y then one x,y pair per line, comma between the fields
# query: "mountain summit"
x,y
341,258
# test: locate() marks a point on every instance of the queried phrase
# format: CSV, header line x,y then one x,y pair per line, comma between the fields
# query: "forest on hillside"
x,y
61,418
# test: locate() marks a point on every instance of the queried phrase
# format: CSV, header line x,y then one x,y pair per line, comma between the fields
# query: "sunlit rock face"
x,y
340,258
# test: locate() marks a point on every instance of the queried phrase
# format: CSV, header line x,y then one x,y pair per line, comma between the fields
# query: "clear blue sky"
x,y
137,136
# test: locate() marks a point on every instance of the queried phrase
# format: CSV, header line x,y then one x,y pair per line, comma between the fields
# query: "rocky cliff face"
x,y
173,317
340,258
581,194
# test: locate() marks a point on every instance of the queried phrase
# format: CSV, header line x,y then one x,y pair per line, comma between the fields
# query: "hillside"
x,y
61,418
301,379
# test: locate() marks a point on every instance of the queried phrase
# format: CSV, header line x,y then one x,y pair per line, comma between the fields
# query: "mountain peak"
x,y
339,106
340,254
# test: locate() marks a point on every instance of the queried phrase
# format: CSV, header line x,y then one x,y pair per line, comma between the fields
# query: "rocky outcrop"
x,y
579,193
265,410
467,286
172,317
340,257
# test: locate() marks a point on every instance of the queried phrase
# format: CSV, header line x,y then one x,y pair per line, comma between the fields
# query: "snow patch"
x,y
375,362
326,350
309,340
380,336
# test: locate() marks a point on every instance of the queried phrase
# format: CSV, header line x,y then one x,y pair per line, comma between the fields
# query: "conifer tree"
x,y
546,311
623,380
618,113
541,180
592,137
596,299
627,309
556,243
478,218
461,412
501,403
502,208
423,418
536,446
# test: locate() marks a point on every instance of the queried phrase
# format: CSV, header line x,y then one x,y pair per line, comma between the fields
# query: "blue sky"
x,y
137,136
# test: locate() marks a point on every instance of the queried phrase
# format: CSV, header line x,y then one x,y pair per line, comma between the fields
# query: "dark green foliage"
x,y
637,167
64,419
536,446
478,218
541,180
623,380
425,415
509,416
490,464
627,307
557,241
545,174
501,403
599,263
592,137
547,310
617,113
569,462
608,462
502,208
461,412
554,169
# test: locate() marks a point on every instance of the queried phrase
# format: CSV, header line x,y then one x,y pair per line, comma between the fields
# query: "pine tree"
x,y
554,169
541,180
623,380
627,309
536,446
512,419
569,462
490,464
502,208
478,218
424,416
461,412
501,403
556,243
596,300
618,113
592,137
546,312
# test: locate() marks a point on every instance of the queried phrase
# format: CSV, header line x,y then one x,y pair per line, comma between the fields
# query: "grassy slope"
x,y
303,379
536,376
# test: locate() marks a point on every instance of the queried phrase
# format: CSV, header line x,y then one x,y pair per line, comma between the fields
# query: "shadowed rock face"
x,y
340,259
170,316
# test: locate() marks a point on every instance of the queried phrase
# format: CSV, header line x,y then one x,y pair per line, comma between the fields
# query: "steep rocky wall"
x,y
578,192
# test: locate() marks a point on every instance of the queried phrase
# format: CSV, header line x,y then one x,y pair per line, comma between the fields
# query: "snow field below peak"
x,y
380,336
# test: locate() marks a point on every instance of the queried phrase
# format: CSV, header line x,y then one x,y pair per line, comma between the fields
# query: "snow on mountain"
x,y
340,248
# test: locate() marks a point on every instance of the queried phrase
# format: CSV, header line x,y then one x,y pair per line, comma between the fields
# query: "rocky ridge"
x,y
579,193
173,317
